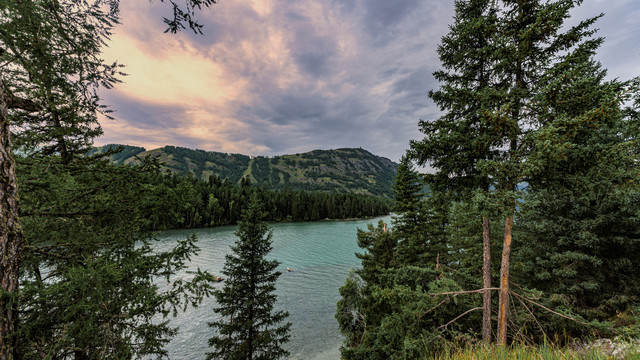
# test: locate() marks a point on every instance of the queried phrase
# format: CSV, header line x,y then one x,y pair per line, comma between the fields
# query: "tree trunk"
x,y
504,282
62,142
10,235
486,277
252,296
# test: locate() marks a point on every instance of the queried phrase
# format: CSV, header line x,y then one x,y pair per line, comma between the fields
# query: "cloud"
x,y
384,18
620,53
272,77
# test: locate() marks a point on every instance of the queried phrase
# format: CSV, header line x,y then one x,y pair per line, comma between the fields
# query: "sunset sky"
x,y
279,77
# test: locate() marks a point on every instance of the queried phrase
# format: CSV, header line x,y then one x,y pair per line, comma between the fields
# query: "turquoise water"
x,y
321,254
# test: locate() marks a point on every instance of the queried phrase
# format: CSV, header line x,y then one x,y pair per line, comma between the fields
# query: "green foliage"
x,y
92,284
579,220
248,327
215,202
407,188
389,308
341,170
530,132
55,70
350,319
380,252
456,142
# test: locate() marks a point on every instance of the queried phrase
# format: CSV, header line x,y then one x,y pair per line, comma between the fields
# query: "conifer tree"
x,y
386,311
48,70
458,141
248,327
578,220
484,133
530,45
407,188
92,283
49,73
411,212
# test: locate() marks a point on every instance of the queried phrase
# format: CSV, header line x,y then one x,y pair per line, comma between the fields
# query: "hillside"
x,y
340,170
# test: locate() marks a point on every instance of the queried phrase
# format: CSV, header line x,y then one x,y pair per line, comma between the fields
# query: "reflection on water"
x,y
321,254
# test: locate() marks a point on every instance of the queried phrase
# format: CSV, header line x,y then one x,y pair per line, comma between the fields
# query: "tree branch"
x,y
458,317
15,102
534,317
546,308
463,292
433,308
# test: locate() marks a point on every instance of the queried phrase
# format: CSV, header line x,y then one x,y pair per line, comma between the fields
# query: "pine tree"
x,y
48,71
411,213
249,328
386,310
407,188
531,44
409,209
380,252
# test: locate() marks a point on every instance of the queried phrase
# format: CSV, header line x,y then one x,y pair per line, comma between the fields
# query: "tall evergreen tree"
x,y
49,72
531,43
249,328
387,309
411,213
489,125
92,285
581,210
458,141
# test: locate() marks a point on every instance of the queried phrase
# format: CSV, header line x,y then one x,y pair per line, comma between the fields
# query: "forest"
x,y
215,202
341,170
531,236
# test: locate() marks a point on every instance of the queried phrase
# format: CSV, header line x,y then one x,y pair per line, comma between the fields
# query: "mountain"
x,y
339,170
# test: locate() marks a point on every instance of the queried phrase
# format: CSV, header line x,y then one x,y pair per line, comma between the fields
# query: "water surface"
x,y
321,254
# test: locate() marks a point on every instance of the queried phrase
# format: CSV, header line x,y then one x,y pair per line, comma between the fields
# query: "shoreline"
x,y
283,222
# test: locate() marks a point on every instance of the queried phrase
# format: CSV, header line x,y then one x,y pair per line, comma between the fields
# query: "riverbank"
x,y
289,221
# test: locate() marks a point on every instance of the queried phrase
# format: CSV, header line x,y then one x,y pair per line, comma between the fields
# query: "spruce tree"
x,y
48,71
248,326
579,219
531,42
49,74
411,211
459,140
492,98
93,285
386,310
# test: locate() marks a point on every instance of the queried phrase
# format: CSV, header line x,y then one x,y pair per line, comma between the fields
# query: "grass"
x,y
523,352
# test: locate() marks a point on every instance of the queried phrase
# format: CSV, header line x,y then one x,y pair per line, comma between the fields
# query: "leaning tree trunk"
x,y
10,235
504,282
486,276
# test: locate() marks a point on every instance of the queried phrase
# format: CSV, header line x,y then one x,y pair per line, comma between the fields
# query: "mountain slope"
x,y
339,170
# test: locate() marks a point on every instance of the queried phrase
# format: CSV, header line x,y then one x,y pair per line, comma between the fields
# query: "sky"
x,y
273,77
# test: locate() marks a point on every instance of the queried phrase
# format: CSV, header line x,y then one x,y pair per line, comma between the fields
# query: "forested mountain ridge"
x,y
340,170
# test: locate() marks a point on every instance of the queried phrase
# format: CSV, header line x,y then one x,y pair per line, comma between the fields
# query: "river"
x,y
321,254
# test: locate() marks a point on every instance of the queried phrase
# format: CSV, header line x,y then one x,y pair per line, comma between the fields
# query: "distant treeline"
x,y
215,202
